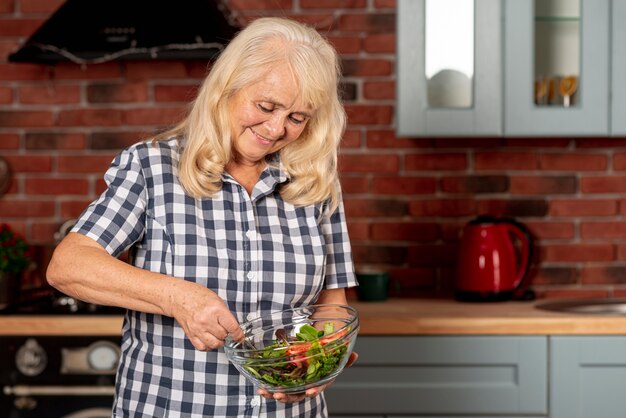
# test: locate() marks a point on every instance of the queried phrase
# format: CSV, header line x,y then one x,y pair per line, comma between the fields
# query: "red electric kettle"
x,y
494,257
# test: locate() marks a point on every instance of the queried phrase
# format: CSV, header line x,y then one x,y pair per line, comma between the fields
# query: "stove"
x,y
57,376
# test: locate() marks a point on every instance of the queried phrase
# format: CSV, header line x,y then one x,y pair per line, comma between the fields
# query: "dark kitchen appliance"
x,y
57,377
494,257
96,31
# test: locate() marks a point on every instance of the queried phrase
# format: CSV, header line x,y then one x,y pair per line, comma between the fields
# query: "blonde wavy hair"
x,y
311,161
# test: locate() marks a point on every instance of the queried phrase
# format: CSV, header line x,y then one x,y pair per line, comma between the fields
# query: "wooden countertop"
x,y
391,317
60,325
448,317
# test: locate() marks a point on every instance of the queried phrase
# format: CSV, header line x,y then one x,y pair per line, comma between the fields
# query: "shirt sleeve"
x,y
116,219
339,264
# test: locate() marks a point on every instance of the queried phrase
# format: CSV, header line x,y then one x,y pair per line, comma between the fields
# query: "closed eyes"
x,y
296,117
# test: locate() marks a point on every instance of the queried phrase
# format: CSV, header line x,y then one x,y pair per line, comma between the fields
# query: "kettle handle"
x,y
526,256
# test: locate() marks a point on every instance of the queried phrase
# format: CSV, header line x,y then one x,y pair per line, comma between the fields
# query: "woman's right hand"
x,y
82,268
204,316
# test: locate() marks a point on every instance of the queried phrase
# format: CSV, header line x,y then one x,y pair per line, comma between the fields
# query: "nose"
x,y
276,126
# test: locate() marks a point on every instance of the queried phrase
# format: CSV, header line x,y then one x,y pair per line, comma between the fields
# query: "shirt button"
x,y
255,402
250,317
250,275
250,234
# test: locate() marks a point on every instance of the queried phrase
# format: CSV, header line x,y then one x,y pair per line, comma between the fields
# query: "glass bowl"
x,y
293,350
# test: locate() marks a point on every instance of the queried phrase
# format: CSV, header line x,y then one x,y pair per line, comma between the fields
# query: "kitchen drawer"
x,y
455,375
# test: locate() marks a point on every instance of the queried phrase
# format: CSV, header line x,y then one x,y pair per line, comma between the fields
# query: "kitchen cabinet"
x,y
415,116
590,23
510,53
446,376
588,375
618,87
558,376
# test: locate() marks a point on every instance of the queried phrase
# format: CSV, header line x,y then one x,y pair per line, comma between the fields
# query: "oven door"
x,y
57,377
57,401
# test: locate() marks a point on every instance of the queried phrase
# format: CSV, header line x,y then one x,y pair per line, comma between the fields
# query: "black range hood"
x,y
96,31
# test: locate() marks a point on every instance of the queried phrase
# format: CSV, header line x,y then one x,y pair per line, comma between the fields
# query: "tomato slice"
x,y
296,353
334,336
298,348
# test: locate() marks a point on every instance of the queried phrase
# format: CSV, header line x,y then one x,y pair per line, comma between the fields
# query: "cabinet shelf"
x,y
557,19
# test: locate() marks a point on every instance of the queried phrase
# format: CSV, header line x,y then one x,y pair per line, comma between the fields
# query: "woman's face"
x,y
266,116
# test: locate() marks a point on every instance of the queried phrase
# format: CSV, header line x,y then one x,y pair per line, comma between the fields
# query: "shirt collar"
x,y
270,178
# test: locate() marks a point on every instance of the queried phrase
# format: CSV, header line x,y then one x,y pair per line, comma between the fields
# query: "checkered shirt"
x,y
259,253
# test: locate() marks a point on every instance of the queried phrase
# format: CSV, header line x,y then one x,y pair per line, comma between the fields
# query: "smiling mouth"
x,y
261,138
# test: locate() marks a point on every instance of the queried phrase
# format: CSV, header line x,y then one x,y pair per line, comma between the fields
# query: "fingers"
x,y
283,397
212,329
211,338
289,398
206,319
293,397
313,392
206,343
353,357
219,321
231,326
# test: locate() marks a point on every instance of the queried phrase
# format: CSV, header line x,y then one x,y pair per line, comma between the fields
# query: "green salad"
x,y
308,357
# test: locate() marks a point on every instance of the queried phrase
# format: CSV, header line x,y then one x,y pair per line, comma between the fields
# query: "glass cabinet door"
x,y
556,60
449,69
618,73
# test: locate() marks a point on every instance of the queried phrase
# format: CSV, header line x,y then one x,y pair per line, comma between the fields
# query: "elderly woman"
x,y
234,212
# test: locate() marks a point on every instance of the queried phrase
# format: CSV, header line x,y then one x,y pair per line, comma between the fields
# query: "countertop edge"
x,y
60,325
495,326
392,317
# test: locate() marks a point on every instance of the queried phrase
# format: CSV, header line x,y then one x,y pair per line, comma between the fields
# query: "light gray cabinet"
x,y
415,117
588,377
445,377
590,114
504,89
618,85
483,377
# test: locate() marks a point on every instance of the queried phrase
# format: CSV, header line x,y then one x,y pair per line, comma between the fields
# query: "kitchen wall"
x,y
406,198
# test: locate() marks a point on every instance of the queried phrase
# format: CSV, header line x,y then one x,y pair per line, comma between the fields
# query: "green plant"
x,y
14,251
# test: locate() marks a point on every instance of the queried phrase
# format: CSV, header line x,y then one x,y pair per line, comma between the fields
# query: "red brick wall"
x,y
405,198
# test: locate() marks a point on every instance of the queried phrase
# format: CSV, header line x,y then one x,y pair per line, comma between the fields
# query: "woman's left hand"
x,y
309,393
